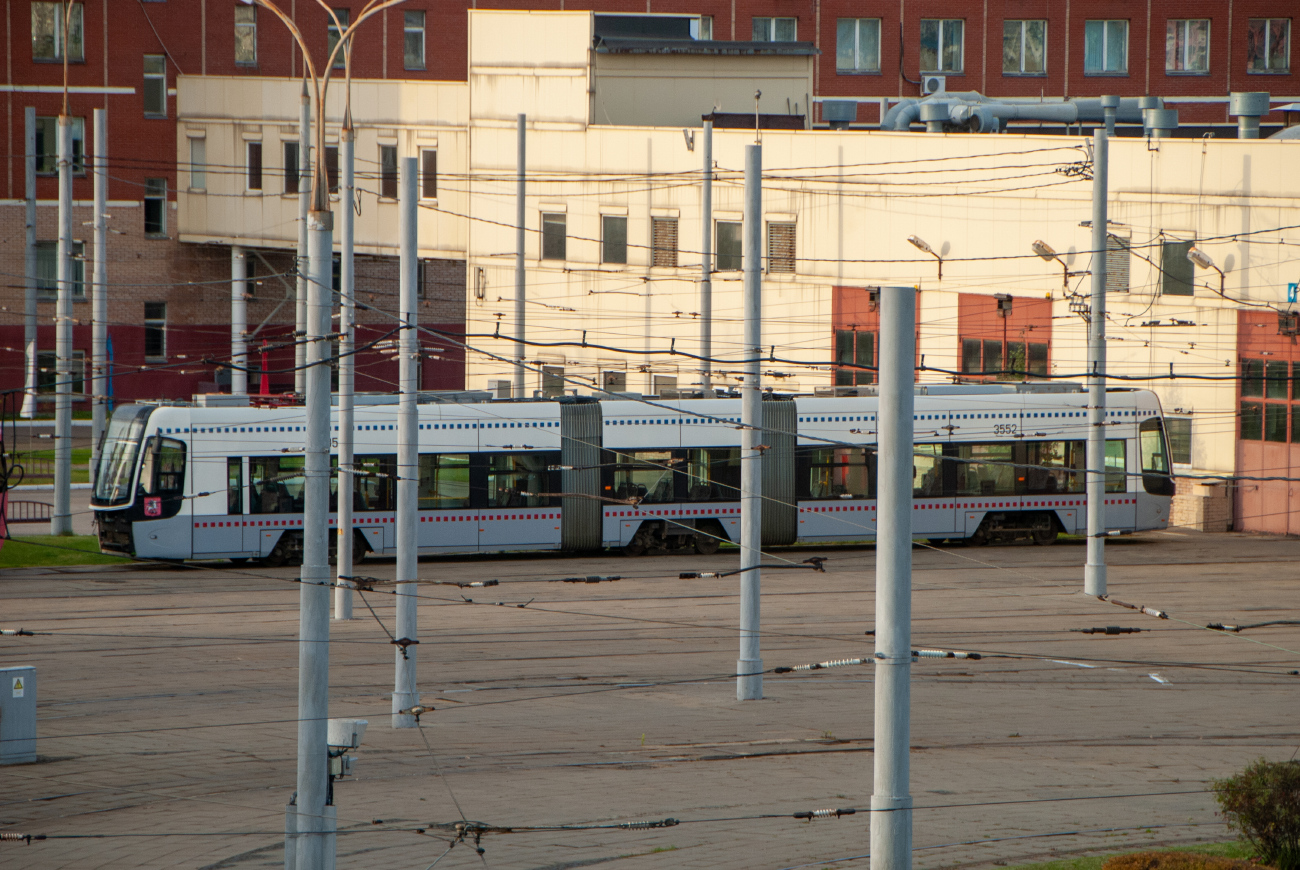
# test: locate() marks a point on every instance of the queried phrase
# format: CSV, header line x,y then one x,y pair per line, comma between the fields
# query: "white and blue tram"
x,y
992,462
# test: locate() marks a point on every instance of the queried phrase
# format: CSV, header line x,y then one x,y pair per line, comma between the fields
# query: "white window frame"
x,y
161,78
771,27
939,54
702,28
77,26
407,30
332,33
1184,24
871,66
250,26
1106,24
1021,55
198,163
1270,69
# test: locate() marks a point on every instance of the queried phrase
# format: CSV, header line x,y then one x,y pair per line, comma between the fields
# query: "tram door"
x,y
225,534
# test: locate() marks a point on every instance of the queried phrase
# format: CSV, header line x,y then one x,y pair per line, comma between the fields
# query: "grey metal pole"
x,y
749,669
304,196
891,801
29,268
405,694
347,372
99,290
706,263
1094,572
520,380
314,595
61,516
238,321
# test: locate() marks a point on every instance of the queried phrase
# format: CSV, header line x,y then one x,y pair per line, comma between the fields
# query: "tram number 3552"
x,y
1005,429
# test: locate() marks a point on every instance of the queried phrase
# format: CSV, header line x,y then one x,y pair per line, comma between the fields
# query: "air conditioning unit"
x,y
933,84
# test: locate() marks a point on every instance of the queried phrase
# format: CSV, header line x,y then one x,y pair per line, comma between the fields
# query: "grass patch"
x,y
1230,849
37,551
80,464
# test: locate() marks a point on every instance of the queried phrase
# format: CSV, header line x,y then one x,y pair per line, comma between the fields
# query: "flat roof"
x,y
643,45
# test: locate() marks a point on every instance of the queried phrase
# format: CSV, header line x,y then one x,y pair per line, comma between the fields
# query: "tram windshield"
x,y
116,470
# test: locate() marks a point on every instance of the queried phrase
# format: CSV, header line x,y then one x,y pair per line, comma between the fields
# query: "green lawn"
x,y
80,464
40,550
1229,849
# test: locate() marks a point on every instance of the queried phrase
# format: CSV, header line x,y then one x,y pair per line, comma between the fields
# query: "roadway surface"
x,y
168,697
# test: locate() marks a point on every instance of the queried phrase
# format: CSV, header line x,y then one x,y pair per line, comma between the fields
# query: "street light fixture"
x,y
920,244
1047,252
1202,259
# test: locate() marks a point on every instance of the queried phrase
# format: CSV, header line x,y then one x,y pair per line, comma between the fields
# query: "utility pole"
x,y
61,519
891,802
99,290
304,195
749,669
1094,572
29,264
706,264
238,321
405,693
520,315
347,372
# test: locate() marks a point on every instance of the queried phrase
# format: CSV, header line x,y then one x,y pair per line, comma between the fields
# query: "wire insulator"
x,y
944,654
638,826
20,838
17,632
825,814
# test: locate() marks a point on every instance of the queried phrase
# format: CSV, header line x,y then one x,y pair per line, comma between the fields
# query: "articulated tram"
x,y
992,463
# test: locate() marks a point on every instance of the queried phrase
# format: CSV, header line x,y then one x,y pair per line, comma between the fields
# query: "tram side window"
x,y
374,485
644,474
276,484
841,472
163,470
1117,466
713,474
986,469
927,471
1052,467
234,486
444,481
518,480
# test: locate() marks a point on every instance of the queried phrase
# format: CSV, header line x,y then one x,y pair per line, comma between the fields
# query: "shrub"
x,y
1263,804
1175,861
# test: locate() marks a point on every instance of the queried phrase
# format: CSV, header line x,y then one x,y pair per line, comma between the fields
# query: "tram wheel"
x,y
1044,533
706,544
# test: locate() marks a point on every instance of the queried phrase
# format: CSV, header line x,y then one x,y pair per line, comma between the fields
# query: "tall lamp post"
x,y
312,834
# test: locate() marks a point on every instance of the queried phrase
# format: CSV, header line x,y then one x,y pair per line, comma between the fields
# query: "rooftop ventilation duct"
x,y
1248,106
969,110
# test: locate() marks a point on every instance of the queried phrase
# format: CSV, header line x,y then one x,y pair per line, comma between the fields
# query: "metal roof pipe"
x,y
1248,106
1159,123
900,116
934,115
1109,108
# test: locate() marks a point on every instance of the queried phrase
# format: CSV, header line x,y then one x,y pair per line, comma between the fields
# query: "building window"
x,y
664,386
1267,420
155,330
48,38
613,239
554,237
47,146
1002,359
775,29
198,163
1117,264
1176,271
1268,47
1179,431
780,247
246,35
332,167
730,246
614,381
254,150
333,34
155,207
1105,48
1024,48
155,86
429,174
1187,46
47,372
941,45
855,356
702,27
47,270
413,40
663,242
388,171
857,45
292,169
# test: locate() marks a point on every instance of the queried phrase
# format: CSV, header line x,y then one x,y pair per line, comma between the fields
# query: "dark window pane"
x,y
866,353
1038,360
554,237
429,174
839,472
986,469
1275,380
613,238
234,486
1274,422
844,377
1295,380
992,357
332,167
444,481
1177,272
843,346
1116,466
970,356
1252,377
1252,421
254,165
1016,359
730,246
155,206
388,171
291,167
1179,430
